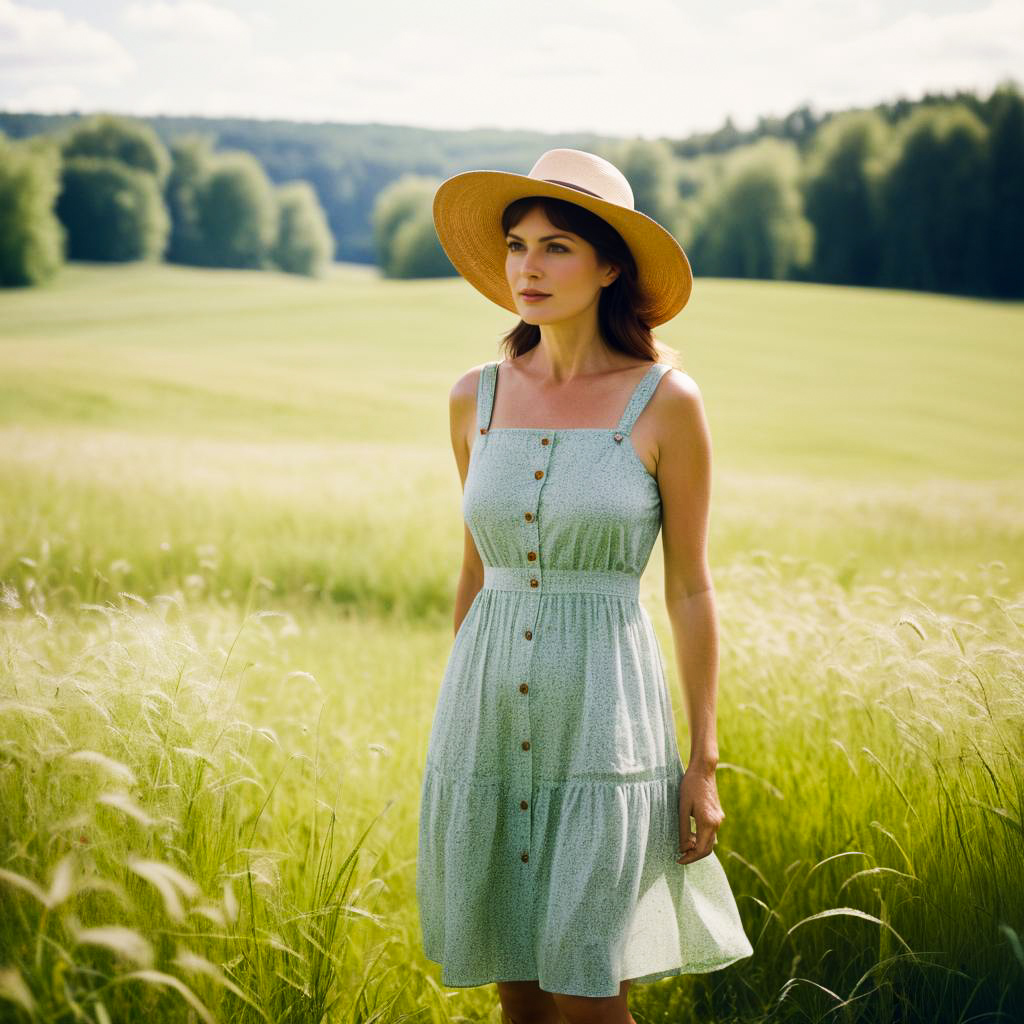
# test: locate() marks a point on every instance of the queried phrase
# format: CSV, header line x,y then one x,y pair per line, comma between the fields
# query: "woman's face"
x,y
565,267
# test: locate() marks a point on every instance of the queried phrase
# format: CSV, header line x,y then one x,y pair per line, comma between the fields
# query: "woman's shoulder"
x,y
677,400
465,386
677,382
463,393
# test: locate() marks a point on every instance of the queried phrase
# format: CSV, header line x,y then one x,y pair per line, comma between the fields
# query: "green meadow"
x,y
230,534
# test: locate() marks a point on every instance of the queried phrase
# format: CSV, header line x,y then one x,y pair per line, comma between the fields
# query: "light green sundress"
x,y
549,814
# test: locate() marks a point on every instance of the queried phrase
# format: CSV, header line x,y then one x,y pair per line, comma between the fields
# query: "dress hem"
x,y
704,967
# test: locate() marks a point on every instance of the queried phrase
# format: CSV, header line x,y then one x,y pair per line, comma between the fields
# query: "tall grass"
x,y
184,801
164,855
875,781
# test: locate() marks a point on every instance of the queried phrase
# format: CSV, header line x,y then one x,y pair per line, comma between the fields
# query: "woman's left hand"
x,y
698,796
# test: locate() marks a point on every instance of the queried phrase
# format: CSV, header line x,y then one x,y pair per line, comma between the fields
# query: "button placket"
x,y
521,794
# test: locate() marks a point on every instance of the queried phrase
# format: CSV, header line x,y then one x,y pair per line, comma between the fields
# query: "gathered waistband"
x,y
562,581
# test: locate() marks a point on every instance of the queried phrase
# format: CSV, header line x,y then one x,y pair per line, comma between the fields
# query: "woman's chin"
x,y
532,315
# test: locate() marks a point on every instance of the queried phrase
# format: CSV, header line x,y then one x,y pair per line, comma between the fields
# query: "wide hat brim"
x,y
467,216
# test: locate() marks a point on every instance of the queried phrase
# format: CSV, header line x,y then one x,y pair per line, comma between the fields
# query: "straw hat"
x,y
467,216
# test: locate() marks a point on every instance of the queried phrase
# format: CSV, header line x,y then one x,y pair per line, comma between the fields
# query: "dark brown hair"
x,y
619,310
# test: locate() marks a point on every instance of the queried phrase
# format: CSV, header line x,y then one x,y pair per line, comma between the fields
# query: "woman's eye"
x,y
555,244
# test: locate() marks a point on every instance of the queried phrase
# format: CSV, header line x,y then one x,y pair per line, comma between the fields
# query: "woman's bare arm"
x,y
462,418
684,479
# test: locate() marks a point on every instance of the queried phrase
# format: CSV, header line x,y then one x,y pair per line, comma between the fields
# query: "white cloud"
x,y
37,43
875,55
648,67
188,20
993,32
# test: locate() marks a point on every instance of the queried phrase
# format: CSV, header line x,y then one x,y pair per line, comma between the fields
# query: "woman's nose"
x,y
530,261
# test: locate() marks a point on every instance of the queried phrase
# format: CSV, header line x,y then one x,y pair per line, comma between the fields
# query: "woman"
x,y
556,857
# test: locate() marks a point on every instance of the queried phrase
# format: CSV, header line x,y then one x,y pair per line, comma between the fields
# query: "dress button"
x,y
538,474
523,805
528,635
524,687
531,555
526,744
533,581
483,430
529,517
524,857
618,437
544,440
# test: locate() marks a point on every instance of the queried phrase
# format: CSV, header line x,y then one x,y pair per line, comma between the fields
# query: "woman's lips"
x,y
532,298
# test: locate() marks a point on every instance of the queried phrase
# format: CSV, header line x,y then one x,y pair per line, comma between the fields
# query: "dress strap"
x,y
485,395
641,396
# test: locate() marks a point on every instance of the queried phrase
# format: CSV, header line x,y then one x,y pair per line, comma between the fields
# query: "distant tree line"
x,y
924,195
108,189
934,201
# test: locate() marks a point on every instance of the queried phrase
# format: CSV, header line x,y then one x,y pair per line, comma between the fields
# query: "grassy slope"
x,y
858,428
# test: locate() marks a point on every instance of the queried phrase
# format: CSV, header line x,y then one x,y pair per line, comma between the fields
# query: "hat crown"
x,y
586,172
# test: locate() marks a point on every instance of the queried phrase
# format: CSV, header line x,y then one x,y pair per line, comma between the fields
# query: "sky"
x,y
627,68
